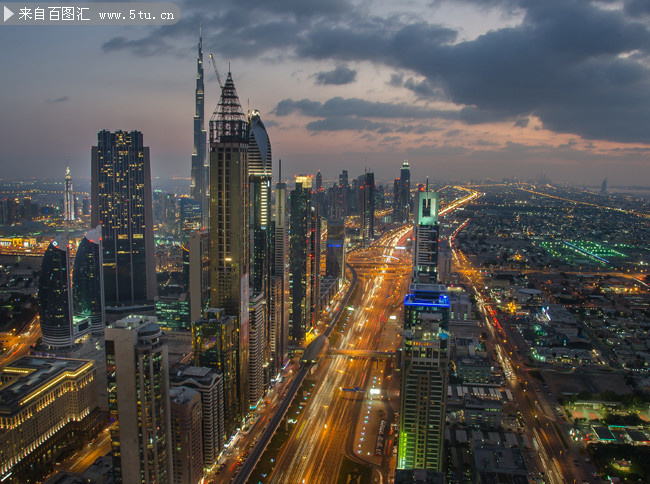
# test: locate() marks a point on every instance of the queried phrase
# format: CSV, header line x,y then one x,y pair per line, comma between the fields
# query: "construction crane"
x,y
216,71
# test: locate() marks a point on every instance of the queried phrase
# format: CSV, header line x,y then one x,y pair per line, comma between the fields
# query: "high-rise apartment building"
x,y
300,262
215,341
209,383
187,442
88,281
425,246
229,226
122,204
199,183
138,401
68,197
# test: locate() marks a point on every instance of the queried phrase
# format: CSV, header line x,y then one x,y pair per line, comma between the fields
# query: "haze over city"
x,y
467,89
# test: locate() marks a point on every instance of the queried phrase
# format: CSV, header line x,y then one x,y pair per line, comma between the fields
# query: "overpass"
x,y
362,353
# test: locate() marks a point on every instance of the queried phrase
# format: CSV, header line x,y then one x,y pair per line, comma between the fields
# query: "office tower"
x,y
187,442
257,337
122,204
402,195
423,393
209,383
315,229
196,272
68,197
279,307
88,281
259,176
59,326
215,342
229,223
335,256
259,172
138,401
603,187
300,263
367,206
85,206
47,405
425,246
199,184
444,260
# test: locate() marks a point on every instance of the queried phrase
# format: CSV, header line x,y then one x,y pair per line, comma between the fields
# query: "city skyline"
x,y
548,94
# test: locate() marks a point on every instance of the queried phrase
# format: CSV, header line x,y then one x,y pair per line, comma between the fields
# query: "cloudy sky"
x,y
460,88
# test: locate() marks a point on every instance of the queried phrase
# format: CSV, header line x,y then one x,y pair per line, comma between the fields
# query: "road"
x,y
325,428
20,344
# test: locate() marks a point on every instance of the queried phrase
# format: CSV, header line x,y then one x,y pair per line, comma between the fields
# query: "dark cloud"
x,y
344,123
339,76
522,122
338,106
567,62
59,99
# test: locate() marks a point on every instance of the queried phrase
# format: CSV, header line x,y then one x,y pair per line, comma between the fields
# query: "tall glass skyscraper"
x,y
122,204
259,171
199,184
300,263
54,297
68,200
88,281
229,225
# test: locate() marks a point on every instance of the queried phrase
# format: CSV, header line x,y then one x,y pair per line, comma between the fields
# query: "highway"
x,y
325,428
258,450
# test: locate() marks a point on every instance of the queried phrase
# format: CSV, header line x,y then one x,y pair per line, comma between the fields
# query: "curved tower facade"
x,y
87,278
54,296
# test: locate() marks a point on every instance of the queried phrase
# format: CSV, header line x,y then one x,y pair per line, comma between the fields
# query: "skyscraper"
x,y
88,281
196,269
259,171
402,195
335,256
425,247
68,197
423,394
122,204
229,224
257,336
209,383
215,342
187,443
300,263
367,206
279,308
259,175
199,184
58,325
138,401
